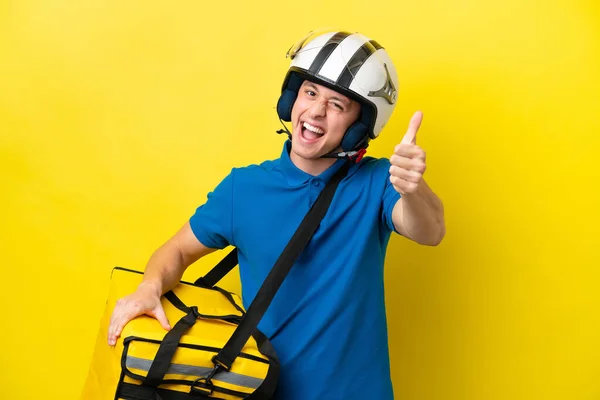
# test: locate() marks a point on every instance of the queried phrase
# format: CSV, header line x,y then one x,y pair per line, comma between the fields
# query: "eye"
x,y
338,106
310,93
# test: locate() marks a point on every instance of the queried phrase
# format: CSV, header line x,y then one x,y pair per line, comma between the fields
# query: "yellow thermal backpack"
x,y
202,329
214,350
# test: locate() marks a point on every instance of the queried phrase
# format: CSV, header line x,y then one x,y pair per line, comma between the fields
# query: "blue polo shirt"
x,y
327,322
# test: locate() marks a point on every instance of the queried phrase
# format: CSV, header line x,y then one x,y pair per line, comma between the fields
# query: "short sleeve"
x,y
390,197
212,222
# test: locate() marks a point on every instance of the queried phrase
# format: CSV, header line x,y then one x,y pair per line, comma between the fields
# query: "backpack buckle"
x,y
204,385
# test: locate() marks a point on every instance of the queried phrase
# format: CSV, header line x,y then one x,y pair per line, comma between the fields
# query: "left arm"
x,y
419,216
419,213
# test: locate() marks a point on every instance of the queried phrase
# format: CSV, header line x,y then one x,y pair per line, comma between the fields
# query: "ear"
x,y
354,136
285,104
358,133
288,96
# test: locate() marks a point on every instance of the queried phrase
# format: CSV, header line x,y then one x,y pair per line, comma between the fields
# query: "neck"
x,y
313,167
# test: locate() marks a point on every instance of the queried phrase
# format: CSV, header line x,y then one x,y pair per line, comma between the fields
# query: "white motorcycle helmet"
x,y
353,65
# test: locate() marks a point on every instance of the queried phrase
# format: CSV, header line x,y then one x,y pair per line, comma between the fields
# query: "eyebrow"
x,y
344,101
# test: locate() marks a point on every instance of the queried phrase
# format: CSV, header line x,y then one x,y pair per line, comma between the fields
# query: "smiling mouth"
x,y
310,132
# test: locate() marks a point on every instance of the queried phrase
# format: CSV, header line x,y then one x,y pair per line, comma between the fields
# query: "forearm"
x,y
168,263
420,216
164,269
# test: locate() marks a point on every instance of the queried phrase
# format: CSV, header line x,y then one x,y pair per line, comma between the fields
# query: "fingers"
x,y
411,164
119,318
410,151
130,307
125,310
413,126
402,186
405,174
408,161
405,180
159,314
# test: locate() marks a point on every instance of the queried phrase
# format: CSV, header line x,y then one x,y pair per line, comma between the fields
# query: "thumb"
x,y
159,314
411,134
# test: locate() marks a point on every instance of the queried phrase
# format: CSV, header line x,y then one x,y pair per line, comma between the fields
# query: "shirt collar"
x,y
295,176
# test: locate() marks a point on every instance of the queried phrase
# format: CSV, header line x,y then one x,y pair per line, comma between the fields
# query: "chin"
x,y
307,154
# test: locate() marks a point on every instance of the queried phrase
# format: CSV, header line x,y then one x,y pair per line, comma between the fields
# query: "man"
x,y
327,322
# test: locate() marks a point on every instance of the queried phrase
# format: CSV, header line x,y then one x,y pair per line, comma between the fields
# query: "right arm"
x,y
164,270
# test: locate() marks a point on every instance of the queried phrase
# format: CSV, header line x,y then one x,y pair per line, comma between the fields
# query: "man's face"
x,y
320,117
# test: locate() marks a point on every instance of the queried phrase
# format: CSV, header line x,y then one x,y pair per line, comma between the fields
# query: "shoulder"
x,y
376,163
253,173
264,167
371,168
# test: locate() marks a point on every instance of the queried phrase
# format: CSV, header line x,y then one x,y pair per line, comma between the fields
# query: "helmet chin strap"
x,y
284,130
353,155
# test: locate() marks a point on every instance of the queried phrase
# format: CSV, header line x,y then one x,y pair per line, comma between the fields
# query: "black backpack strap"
x,y
168,346
255,312
219,271
224,359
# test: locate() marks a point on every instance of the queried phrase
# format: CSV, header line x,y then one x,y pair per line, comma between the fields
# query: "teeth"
x,y
313,128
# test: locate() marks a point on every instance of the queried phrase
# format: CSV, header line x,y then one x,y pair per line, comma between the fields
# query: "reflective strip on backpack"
x,y
193,370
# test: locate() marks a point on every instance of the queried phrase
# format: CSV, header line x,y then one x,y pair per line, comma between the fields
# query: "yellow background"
x,y
117,117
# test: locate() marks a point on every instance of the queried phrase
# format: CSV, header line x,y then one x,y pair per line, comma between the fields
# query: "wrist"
x,y
151,286
417,194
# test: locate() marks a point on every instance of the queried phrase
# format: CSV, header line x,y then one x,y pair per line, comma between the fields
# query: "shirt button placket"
x,y
314,190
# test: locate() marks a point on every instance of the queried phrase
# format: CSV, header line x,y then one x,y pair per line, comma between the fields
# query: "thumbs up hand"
x,y
408,161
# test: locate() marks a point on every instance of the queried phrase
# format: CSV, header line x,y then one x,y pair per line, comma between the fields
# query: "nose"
x,y
318,109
